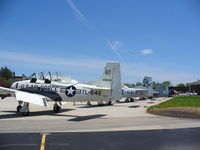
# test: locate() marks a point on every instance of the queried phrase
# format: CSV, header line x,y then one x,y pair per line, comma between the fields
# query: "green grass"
x,y
180,101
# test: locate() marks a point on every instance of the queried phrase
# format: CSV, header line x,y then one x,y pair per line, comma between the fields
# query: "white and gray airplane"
x,y
40,90
143,91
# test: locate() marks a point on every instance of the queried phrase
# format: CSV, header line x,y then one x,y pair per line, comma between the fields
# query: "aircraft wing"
x,y
134,89
141,89
28,97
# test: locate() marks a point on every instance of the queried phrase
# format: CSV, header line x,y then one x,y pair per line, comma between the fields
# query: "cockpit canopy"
x,y
49,77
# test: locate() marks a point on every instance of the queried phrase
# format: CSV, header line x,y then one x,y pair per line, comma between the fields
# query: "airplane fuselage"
x,y
63,92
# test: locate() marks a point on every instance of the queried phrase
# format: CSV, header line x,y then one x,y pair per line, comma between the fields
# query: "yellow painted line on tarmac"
x,y
42,146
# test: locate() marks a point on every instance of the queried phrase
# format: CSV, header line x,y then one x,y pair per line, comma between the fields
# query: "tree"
x,y
154,85
5,73
129,85
132,85
166,84
180,85
138,84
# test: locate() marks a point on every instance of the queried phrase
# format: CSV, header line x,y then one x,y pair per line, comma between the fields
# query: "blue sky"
x,y
155,38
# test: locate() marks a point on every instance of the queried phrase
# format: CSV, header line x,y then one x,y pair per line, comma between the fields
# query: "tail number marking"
x,y
146,83
107,71
92,92
95,92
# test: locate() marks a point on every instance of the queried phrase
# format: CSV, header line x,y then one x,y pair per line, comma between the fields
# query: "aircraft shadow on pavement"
x,y
121,102
151,102
134,106
93,106
84,118
36,113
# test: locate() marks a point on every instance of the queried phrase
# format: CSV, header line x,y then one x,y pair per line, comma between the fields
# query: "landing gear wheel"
x,y
142,98
109,103
131,100
25,113
127,100
56,109
88,103
18,108
24,110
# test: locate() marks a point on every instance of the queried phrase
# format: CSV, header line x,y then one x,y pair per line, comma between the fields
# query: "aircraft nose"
x,y
13,85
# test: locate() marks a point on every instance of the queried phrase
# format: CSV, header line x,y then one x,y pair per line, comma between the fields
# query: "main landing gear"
x,y
109,103
88,103
129,100
142,98
19,106
24,110
56,108
101,103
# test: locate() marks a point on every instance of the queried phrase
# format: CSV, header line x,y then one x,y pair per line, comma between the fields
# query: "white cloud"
x,y
78,14
131,72
50,62
115,46
146,51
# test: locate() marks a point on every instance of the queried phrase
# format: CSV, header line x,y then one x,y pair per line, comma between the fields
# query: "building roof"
x,y
195,83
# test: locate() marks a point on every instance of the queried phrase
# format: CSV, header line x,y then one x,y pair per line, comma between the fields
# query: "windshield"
x,y
59,77
55,77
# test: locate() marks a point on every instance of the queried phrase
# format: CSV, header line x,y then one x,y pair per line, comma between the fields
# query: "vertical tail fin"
x,y
147,83
111,78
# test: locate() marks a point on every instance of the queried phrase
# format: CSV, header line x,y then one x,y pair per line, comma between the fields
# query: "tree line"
x,y
154,84
6,75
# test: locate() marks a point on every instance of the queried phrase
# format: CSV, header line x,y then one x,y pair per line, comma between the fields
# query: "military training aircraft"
x,y
41,89
143,91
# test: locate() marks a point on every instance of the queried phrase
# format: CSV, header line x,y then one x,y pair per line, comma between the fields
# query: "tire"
x,y
100,104
25,113
18,108
127,100
88,103
109,103
56,109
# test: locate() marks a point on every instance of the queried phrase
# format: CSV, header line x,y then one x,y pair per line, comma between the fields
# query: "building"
x,y
194,87
161,90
